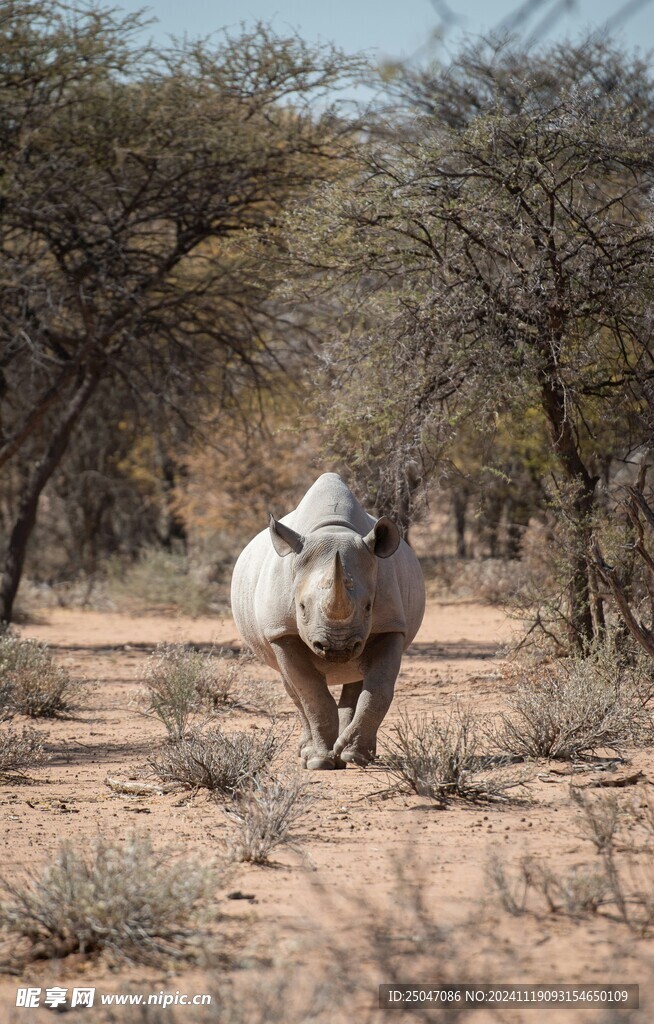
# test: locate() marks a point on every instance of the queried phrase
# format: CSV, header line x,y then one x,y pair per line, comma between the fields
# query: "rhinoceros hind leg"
x,y
347,704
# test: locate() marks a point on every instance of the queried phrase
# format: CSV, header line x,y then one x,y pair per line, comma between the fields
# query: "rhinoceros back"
x,y
262,584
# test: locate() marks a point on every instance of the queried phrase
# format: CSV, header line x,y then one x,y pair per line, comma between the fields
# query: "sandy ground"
x,y
355,838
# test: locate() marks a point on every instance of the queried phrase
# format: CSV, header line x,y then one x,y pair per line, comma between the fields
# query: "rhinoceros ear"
x,y
384,538
284,539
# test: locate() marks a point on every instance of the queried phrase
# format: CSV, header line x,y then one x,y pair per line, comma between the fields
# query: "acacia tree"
x,y
126,179
496,256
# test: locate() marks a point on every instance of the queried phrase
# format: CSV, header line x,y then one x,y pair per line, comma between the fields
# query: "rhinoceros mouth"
x,y
337,653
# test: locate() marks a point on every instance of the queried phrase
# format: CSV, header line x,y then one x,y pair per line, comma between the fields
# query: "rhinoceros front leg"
x,y
305,736
381,665
314,700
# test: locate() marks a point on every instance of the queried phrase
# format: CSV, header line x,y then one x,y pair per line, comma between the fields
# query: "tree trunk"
x,y
564,443
174,533
405,499
460,497
29,503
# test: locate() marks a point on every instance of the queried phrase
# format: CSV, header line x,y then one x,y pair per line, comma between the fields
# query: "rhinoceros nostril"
x,y
318,646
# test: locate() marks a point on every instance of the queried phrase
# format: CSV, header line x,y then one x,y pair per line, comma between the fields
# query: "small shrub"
x,y
575,892
622,875
573,709
33,684
7,711
265,818
512,888
443,760
208,759
122,898
179,682
20,751
215,686
600,818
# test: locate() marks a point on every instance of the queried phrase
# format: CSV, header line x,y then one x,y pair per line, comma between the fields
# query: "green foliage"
x,y
129,177
491,262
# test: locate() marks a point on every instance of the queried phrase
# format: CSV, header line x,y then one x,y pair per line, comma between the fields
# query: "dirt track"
x,y
355,832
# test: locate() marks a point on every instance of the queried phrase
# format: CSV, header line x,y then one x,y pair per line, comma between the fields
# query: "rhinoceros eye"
x,y
368,606
303,607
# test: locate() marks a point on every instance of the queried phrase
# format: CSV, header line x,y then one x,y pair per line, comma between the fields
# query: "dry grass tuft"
x,y
600,818
182,684
576,892
444,760
621,879
575,708
124,899
6,707
33,684
20,751
216,687
265,818
209,759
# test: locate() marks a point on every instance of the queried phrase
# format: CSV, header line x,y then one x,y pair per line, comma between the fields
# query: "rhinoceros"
x,y
329,596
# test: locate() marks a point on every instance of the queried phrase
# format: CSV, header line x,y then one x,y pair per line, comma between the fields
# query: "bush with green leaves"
x,y
33,684
118,897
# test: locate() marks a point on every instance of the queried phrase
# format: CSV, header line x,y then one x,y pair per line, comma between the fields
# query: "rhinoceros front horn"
x,y
337,605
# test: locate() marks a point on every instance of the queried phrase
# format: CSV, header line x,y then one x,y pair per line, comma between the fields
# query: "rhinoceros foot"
x,y
317,763
354,755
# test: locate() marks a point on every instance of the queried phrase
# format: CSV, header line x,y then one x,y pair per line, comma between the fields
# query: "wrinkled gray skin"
x,y
328,597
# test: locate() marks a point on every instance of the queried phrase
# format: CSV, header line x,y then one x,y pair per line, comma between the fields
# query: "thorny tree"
x,y
126,177
496,256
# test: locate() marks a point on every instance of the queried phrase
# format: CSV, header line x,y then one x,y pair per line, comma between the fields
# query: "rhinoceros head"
x,y
334,580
